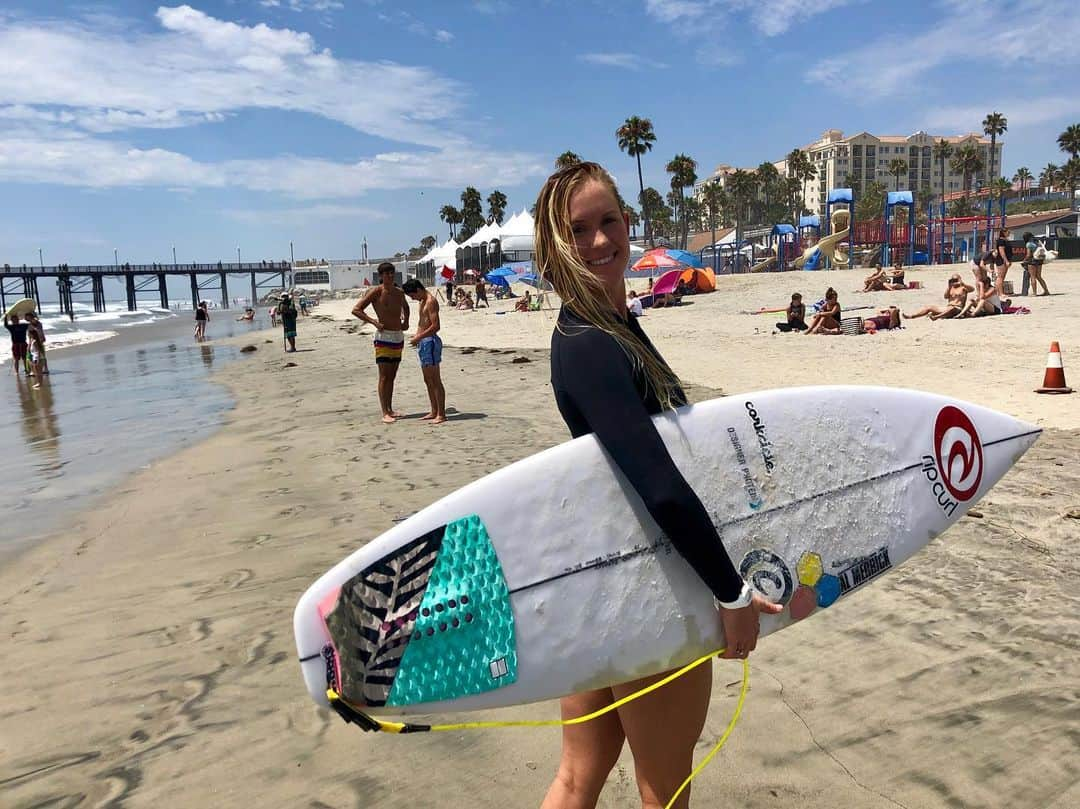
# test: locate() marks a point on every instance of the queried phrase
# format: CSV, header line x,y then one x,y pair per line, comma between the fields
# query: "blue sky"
x,y
251,123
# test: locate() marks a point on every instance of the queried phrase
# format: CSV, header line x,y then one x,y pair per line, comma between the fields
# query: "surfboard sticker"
x,y
431,621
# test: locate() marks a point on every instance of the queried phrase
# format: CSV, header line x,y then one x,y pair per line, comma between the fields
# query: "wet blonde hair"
x,y
558,262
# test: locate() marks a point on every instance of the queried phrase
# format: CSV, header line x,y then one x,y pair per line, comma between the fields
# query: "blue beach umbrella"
x,y
533,280
685,257
498,280
502,272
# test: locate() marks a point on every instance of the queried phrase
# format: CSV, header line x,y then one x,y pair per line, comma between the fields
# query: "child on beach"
x,y
796,315
827,320
429,348
609,379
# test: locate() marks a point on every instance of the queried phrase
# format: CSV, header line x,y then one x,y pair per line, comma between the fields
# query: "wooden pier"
x,y
89,281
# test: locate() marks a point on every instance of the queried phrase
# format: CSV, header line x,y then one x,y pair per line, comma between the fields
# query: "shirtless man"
x,y
429,348
956,294
392,318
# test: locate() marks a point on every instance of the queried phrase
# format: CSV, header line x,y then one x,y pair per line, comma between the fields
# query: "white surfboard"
x,y
548,577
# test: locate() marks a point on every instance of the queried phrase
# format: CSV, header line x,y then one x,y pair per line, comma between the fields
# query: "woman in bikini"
x,y
956,294
827,321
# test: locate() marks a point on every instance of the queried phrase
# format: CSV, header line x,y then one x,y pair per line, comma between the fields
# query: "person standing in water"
x,y
609,380
390,322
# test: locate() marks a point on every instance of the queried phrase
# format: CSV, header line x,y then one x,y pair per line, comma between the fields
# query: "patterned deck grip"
x,y
431,621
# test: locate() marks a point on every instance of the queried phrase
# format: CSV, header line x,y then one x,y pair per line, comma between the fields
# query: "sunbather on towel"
x,y
888,318
956,294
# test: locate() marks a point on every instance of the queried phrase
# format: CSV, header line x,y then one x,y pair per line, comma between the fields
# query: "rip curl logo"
x,y
959,453
954,471
768,574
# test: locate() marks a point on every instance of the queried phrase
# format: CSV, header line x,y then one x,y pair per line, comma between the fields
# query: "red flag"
x,y
447,272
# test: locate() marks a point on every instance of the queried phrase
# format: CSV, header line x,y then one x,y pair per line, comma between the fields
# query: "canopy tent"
x,y
446,255
516,235
699,280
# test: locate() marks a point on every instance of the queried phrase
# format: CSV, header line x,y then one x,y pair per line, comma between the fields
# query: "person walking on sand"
x,y
429,348
202,316
286,313
390,322
18,331
609,379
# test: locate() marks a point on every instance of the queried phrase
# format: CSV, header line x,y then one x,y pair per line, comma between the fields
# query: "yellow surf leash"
x,y
370,723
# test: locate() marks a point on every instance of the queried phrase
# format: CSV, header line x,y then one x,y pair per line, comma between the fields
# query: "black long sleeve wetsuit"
x,y
598,391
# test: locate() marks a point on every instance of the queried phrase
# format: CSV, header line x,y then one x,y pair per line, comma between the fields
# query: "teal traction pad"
x,y
462,641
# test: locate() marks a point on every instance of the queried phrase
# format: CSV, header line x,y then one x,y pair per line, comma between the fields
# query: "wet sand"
x,y
150,658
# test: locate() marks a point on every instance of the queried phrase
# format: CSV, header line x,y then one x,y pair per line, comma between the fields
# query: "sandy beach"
x,y
150,659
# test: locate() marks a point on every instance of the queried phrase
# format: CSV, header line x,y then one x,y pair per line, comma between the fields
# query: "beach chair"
x,y
537,303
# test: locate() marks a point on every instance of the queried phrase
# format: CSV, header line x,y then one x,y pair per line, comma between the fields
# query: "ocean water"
x,y
124,390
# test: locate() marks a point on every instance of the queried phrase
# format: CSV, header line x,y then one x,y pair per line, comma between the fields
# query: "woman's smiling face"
x,y
600,232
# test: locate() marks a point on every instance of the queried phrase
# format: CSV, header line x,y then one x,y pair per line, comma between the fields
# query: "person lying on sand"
x,y
956,293
887,318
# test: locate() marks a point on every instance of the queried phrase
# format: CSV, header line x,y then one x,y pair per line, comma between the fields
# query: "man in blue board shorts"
x,y
429,347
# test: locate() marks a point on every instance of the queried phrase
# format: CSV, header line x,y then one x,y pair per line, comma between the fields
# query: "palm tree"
x,y
767,176
1069,140
967,162
897,166
451,216
712,199
743,186
802,169
636,137
999,186
683,171
567,158
942,151
1048,176
1023,176
1070,176
994,124
496,206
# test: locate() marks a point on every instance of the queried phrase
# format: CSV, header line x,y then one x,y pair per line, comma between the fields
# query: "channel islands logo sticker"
x,y
959,453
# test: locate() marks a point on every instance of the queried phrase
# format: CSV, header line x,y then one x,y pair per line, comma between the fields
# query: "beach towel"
x,y
1016,310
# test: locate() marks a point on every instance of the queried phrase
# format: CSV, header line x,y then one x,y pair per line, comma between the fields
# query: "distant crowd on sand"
x,y
984,296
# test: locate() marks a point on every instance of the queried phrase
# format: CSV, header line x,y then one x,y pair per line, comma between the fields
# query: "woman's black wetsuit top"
x,y
598,391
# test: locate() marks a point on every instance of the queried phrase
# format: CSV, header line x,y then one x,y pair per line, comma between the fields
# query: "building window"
x,y
302,277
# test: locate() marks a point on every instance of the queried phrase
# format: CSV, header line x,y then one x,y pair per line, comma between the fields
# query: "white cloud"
x,y
200,65
297,216
86,161
981,31
1023,113
64,84
626,61
443,35
769,17
305,5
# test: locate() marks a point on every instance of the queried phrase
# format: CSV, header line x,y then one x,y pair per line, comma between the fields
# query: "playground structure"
x,y
826,253
943,246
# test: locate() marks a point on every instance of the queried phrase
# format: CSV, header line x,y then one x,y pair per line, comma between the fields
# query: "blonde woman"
x,y
609,379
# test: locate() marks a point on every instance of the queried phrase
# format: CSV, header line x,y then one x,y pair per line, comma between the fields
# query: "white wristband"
x,y
746,595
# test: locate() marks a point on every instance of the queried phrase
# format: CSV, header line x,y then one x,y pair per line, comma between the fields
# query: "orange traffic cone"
x,y
1054,379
